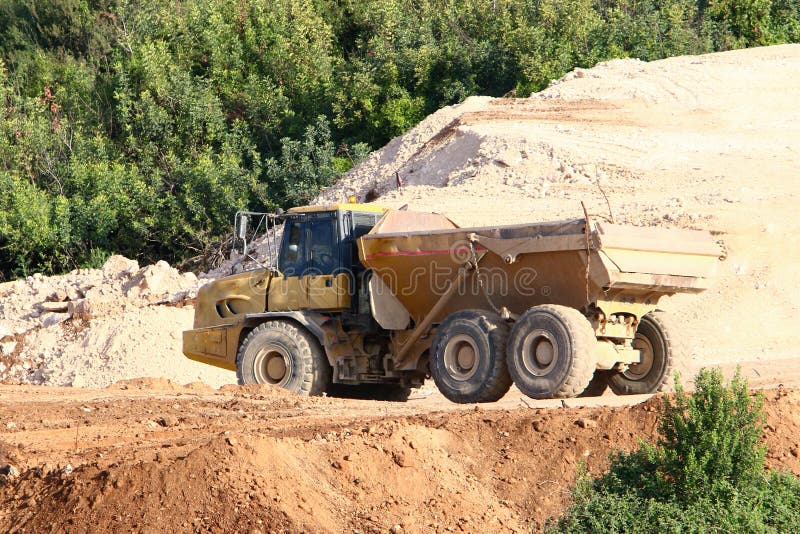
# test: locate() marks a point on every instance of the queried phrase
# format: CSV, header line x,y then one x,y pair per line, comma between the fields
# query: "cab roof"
x,y
342,206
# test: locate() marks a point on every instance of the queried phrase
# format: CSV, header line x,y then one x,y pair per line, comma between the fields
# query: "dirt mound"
x,y
166,494
93,327
706,142
178,461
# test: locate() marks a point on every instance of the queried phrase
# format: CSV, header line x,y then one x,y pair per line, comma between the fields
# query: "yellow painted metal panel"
x,y
657,262
225,300
327,291
212,345
287,294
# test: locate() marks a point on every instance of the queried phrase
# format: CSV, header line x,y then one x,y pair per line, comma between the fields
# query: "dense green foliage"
x,y
141,126
705,474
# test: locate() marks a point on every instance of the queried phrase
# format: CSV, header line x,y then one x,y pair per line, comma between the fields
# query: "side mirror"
x,y
241,231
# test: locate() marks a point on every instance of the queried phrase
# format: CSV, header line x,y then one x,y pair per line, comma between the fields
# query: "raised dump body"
x,y
364,297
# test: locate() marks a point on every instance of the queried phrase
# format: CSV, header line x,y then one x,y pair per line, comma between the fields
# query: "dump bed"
x,y
417,257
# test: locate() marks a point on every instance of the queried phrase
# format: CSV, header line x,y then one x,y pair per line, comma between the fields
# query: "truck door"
x,y
288,292
327,282
354,225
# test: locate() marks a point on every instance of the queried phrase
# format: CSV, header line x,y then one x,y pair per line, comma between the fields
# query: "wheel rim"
x,y
461,357
540,352
638,371
273,365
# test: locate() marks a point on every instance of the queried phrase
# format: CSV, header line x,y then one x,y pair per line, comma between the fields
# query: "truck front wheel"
x,y
468,361
283,354
552,352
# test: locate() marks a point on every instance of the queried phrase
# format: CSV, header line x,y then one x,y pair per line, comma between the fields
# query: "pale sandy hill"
x,y
709,142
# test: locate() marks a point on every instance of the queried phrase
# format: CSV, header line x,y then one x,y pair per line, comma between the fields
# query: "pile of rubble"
x,y
95,326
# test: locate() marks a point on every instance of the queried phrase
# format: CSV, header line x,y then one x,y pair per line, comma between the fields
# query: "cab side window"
x,y
323,249
293,259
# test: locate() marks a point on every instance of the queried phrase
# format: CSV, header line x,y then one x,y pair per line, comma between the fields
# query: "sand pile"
x,y
93,327
706,142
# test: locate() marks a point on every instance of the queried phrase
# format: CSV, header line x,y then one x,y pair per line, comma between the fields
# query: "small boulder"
x,y
167,421
57,296
53,306
8,472
586,423
400,459
118,266
80,308
50,319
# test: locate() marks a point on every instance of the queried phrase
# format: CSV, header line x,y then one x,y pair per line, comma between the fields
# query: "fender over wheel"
x,y
552,352
468,357
283,354
661,356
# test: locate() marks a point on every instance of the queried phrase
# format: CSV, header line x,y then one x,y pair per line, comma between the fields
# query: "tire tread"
x,y
499,380
677,357
316,369
583,340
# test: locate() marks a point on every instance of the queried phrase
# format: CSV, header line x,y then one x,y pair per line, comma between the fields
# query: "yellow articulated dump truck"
x,y
370,301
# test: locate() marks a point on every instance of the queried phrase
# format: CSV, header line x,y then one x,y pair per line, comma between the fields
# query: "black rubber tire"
x,y
668,357
487,379
597,385
307,369
573,352
379,392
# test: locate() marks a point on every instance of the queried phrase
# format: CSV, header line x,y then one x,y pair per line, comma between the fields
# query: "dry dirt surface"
x,y
708,142
150,456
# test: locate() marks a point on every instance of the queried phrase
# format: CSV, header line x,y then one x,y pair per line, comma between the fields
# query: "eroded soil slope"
x,y
156,457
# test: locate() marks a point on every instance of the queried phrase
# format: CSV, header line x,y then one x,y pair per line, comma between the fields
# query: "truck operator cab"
x,y
318,265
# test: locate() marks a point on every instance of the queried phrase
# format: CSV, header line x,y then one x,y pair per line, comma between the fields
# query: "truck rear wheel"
x,y
468,357
283,354
551,352
661,355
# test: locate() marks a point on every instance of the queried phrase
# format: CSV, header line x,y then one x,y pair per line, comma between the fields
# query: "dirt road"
x,y
150,456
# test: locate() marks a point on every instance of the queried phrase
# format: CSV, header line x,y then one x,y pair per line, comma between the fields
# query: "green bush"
x,y
142,126
705,473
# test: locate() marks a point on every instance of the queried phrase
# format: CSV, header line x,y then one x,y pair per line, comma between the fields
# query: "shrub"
x,y
706,472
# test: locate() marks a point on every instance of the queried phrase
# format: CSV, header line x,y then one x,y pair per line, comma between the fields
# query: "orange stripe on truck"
x,y
461,250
